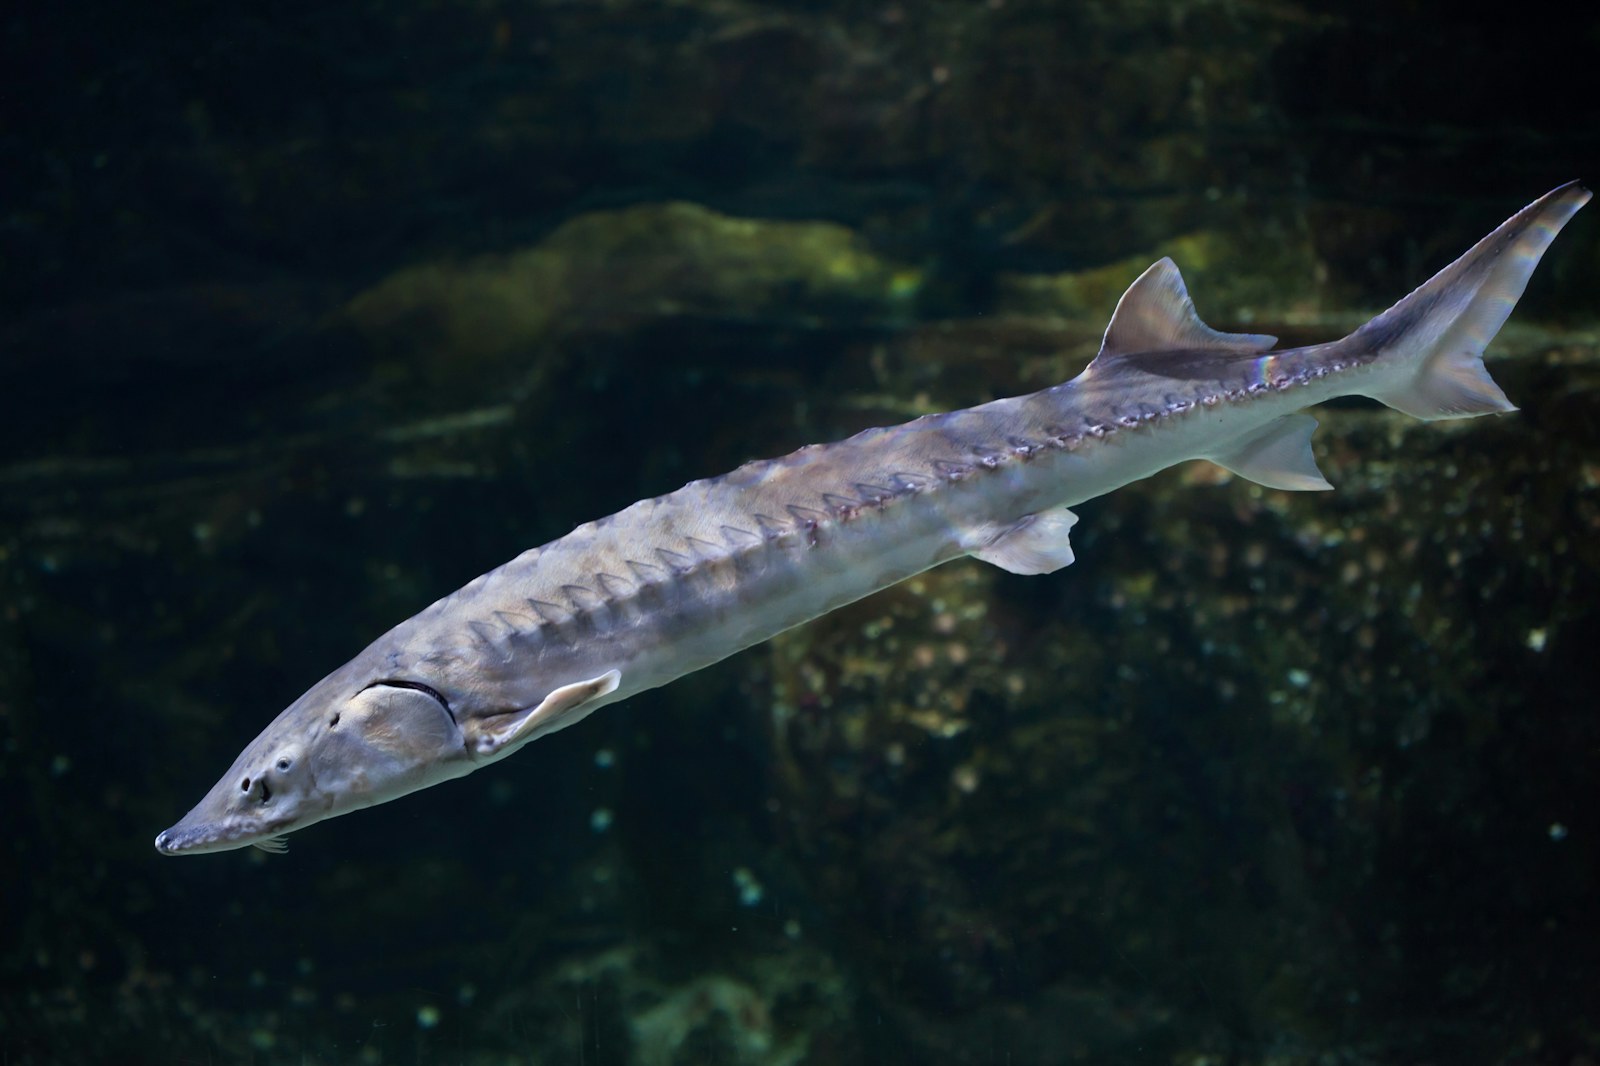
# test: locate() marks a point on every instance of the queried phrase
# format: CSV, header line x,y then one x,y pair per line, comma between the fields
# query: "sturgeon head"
x,y
389,722
348,743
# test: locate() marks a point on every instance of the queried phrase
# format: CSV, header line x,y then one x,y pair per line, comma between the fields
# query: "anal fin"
x,y
1278,455
1034,544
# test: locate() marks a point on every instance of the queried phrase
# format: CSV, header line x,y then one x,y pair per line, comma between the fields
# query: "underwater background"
x,y
310,313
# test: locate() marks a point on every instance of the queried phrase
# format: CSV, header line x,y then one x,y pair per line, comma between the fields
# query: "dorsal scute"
x,y
1156,315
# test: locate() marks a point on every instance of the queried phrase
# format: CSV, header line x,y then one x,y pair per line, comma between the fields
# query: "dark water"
x,y
311,313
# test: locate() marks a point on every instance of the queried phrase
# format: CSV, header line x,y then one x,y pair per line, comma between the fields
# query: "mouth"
x,y
198,840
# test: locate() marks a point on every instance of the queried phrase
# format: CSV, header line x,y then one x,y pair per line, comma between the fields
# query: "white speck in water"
x,y
427,1016
60,765
1557,831
1536,639
750,890
1299,678
965,778
600,820
605,758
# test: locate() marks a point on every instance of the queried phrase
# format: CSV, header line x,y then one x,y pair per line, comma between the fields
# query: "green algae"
x,y
616,271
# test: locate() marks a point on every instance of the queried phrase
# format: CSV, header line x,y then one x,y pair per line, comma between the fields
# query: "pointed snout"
x,y
173,843
199,832
194,839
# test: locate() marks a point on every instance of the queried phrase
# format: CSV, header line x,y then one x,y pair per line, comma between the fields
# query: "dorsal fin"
x,y
1156,315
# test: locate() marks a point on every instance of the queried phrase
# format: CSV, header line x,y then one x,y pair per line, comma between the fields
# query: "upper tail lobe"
x,y
1436,336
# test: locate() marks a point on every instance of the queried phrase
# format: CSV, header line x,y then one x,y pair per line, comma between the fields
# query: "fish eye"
x,y
283,763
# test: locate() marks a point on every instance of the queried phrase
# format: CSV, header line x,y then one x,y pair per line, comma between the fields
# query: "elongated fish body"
x,y
672,584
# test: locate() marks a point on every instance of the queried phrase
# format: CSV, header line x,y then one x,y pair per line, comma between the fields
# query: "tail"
x,y
1436,336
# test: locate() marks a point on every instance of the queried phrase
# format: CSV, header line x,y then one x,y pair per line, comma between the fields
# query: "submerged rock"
x,y
615,272
1234,279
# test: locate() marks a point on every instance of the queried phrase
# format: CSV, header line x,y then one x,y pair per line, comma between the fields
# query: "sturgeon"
x,y
675,583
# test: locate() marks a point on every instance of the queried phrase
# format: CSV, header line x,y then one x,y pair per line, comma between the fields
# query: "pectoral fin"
x,y
1035,544
1278,455
563,707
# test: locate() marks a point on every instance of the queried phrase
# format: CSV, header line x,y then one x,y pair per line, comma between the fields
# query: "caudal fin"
x,y
1435,337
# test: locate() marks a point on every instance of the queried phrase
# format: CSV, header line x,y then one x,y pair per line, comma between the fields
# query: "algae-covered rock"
x,y
615,271
782,1007
1234,278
